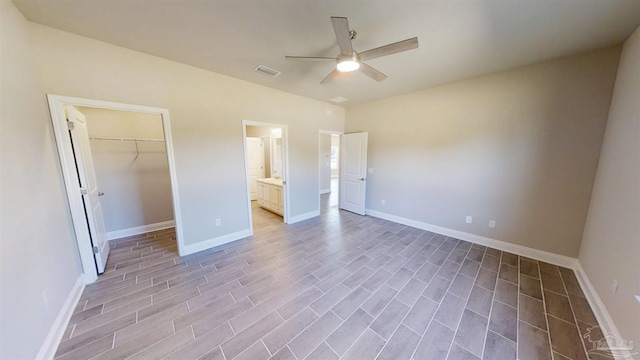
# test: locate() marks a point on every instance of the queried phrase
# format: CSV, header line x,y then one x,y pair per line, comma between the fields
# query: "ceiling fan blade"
x,y
309,58
341,27
372,73
396,47
331,75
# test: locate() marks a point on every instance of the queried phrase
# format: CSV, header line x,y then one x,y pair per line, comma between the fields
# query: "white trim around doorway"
x,y
65,154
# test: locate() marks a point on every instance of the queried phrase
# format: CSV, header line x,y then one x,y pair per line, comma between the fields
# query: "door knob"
x,y
362,179
100,193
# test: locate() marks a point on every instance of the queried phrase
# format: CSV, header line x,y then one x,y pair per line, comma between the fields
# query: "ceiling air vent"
x,y
267,71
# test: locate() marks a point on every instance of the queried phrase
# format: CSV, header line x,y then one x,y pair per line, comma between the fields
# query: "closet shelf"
x,y
125,139
133,140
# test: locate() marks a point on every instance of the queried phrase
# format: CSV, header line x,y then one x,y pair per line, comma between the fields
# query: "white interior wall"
x,y
519,147
39,264
610,247
206,111
136,184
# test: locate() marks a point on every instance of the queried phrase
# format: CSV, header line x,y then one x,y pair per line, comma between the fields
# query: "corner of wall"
x,y
607,325
210,243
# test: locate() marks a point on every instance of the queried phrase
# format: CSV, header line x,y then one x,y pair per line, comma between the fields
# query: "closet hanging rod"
x,y
125,139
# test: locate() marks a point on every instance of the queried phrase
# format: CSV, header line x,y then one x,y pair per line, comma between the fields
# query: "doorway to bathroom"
x,y
266,167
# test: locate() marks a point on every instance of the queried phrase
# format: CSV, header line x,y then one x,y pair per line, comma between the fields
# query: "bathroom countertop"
x,y
271,181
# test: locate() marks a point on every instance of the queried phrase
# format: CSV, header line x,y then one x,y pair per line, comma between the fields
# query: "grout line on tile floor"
x,y
493,298
438,308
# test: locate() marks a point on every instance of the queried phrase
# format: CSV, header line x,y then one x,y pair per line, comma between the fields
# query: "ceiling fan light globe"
x,y
348,65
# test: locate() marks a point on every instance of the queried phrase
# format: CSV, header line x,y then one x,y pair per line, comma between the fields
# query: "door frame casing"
x,y
285,166
67,163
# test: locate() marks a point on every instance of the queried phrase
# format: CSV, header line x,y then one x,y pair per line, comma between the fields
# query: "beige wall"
x,y
136,184
206,112
38,257
611,241
258,131
519,147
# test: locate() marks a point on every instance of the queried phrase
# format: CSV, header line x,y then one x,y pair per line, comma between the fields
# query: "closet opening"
x,y
119,172
130,162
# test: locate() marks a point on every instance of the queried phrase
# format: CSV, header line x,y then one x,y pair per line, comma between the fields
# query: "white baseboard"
x,y
546,256
302,217
605,320
325,191
51,342
117,234
208,244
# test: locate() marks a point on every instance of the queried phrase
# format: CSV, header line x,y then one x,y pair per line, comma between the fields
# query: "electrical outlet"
x,y
492,224
384,202
614,286
469,219
370,170
45,299
218,222
638,298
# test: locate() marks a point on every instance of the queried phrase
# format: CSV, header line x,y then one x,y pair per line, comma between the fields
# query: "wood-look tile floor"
x,y
340,286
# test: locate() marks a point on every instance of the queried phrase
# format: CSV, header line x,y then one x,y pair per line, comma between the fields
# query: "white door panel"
x,y
255,159
89,186
352,192
353,170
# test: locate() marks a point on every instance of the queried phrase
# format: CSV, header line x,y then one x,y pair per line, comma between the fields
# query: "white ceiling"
x,y
458,39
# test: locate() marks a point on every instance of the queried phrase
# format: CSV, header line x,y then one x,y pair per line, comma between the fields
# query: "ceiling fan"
x,y
349,60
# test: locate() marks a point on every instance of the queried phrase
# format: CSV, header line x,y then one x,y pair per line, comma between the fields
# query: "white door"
x,y
88,185
353,171
255,159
